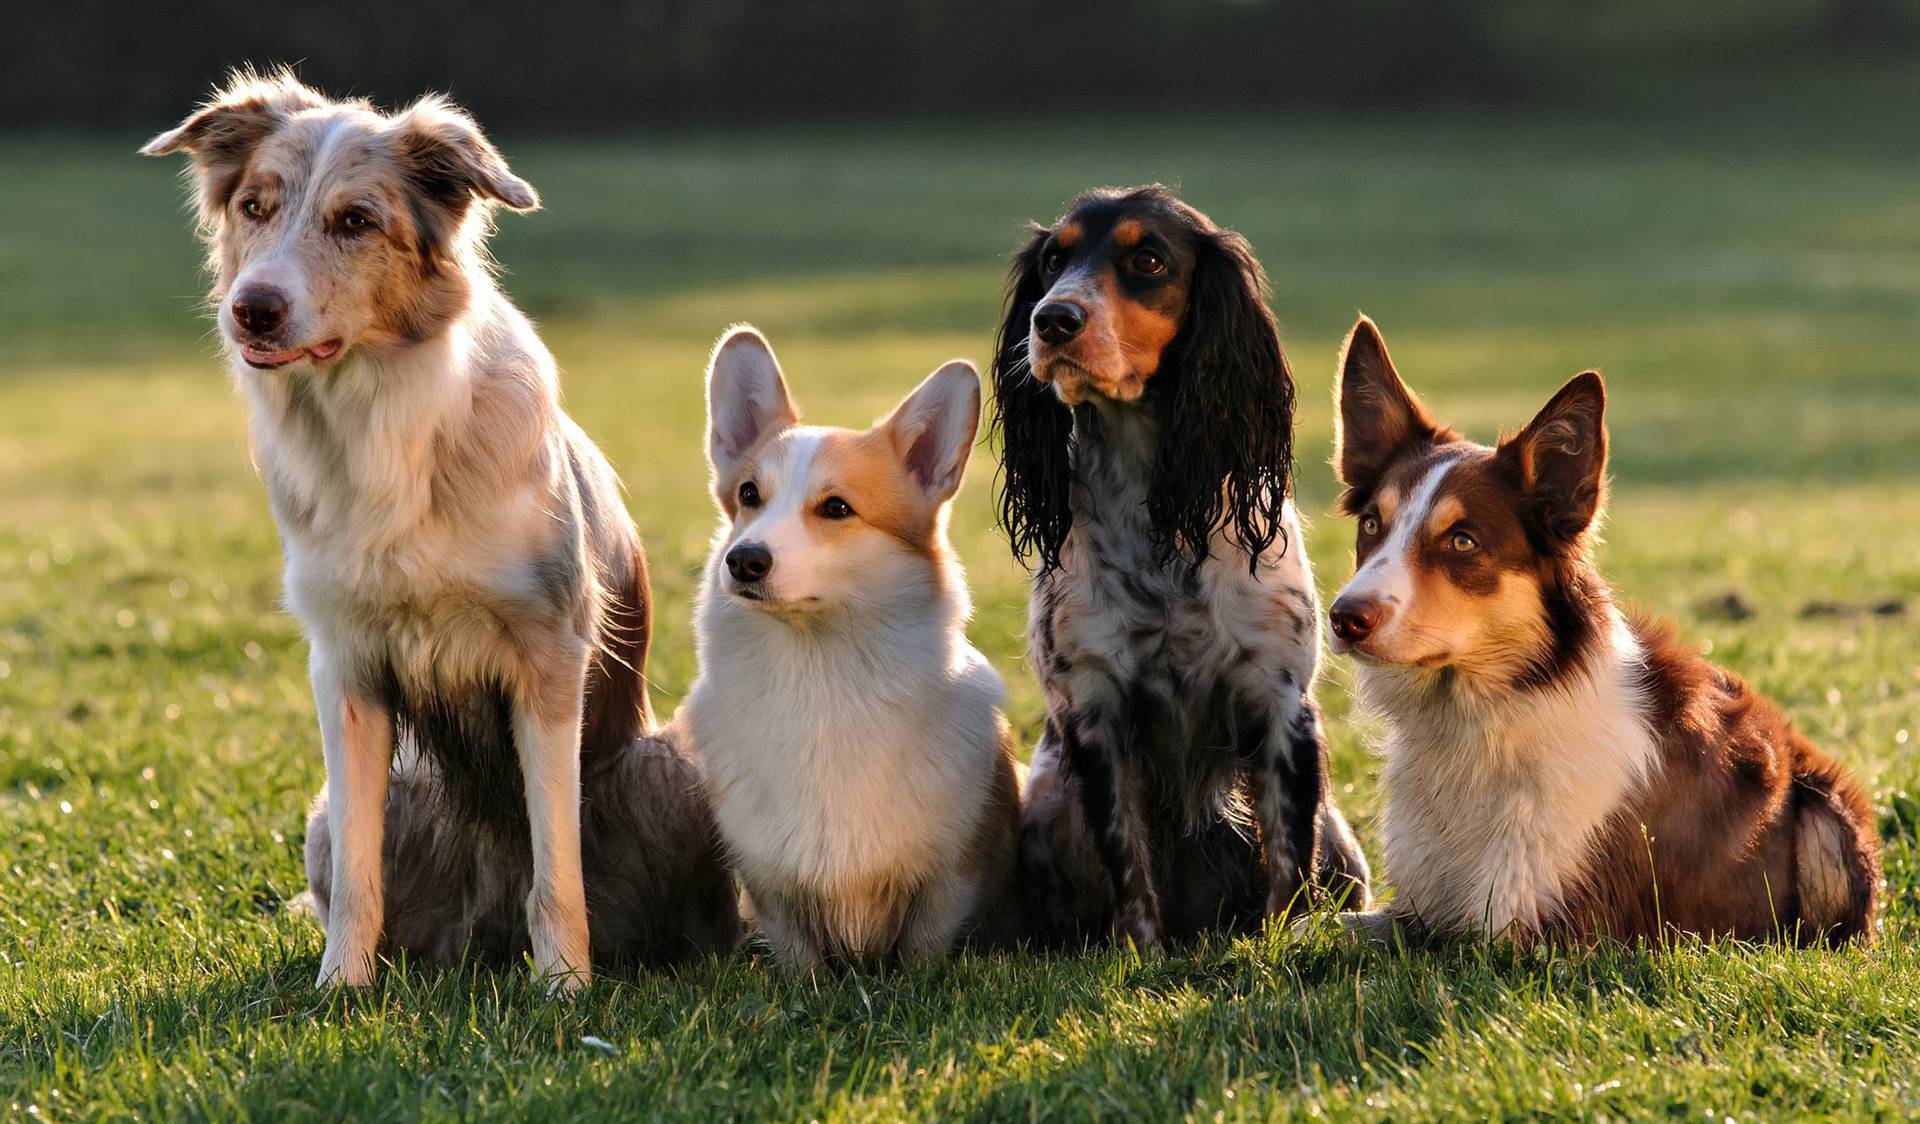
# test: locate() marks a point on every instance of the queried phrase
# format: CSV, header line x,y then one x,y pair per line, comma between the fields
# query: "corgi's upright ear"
x,y
747,399
933,429
1560,459
1375,416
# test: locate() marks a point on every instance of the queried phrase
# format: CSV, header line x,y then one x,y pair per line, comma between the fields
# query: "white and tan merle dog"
x,y
860,764
1147,415
457,551
1556,768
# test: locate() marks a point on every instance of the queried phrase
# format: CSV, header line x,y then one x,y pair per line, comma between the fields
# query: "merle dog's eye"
x,y
749,494
1369,524
1054,260
355,221
1460,542
1149,262
836,508
252,208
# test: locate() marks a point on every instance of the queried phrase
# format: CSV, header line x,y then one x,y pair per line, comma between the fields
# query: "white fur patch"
x,y
1495,797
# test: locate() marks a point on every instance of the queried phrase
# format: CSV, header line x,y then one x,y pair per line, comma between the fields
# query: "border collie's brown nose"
x,y
259,309
749,562
1058,321
1355,618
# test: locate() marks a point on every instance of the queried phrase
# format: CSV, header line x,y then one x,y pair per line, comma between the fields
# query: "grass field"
x,y
1746,272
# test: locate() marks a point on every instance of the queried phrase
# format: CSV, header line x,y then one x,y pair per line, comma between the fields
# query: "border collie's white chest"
x,y
1494,802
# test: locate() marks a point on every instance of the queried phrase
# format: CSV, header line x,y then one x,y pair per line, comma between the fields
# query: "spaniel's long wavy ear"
x,y
1034,426
221,134
1226,410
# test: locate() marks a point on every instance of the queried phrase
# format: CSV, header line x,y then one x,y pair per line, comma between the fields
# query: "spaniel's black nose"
x,y
749,562
259,309
1356,618
1058,321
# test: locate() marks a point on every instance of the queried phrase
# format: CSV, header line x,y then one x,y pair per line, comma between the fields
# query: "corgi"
x,y
1558,768
857,755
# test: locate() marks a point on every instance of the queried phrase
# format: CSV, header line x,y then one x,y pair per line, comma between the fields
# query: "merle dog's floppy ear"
x,y
1561,461
747,399
1226,409
1375,415
222,133
1034,426
451,162
933,428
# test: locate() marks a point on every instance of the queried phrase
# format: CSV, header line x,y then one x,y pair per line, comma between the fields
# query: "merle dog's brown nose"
x,y
1058,321
259,309
1356,618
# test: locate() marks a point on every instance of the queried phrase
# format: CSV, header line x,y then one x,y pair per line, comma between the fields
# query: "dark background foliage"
x,y
606,65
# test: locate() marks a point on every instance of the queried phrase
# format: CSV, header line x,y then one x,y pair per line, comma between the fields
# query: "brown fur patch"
x,y
1750,831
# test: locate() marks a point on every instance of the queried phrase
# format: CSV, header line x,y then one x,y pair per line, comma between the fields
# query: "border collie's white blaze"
x,y
854,738
1553,765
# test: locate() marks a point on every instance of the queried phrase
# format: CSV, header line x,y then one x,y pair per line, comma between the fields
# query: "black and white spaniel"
x,y
1147,414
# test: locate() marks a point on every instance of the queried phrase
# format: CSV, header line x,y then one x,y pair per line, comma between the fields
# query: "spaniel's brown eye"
x,y
749,494
1369,524
1054,260
836,508
252,208
1149,263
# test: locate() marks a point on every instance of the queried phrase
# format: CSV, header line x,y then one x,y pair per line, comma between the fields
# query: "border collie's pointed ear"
x,y
1226,406
1034,426
1561,459
223,132
452,162
747,399
1375,415
933,428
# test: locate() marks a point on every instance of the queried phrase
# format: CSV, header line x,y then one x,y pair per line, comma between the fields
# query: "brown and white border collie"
x,y
859,761
1555,767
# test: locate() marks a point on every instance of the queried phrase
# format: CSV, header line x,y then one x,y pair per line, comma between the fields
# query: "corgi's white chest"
x,y
836,781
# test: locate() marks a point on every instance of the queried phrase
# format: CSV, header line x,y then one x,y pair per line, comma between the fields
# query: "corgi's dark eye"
x,y
1053,260
749,494
1461,542
1369,524
1149,263
833,507
253,208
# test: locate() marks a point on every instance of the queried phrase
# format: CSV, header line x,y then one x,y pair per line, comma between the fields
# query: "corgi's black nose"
x,y
1058,321
1356,618
260,309
749,562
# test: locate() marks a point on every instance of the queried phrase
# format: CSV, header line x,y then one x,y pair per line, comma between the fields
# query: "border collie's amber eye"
x,y
1053,260
1149,263
1369,524
749,494
251,208
836,508
1460,542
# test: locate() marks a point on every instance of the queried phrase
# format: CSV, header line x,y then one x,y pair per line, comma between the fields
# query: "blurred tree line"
x,y
604,65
